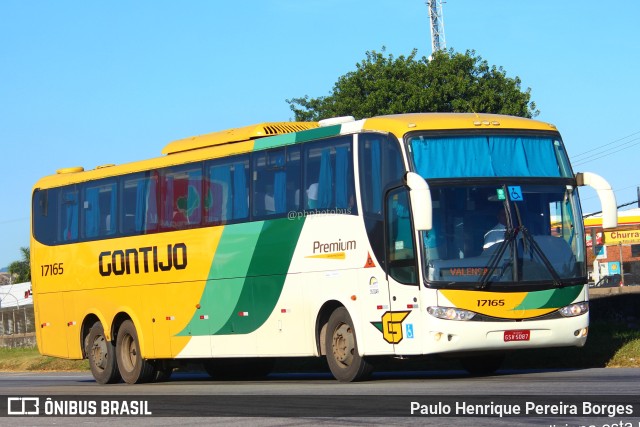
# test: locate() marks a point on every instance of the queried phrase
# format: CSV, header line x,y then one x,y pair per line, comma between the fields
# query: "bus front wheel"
x,y
343,358
102,356
133,368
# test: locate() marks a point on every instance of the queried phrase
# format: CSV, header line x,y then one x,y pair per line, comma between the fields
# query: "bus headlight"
x,y
575,309
450,313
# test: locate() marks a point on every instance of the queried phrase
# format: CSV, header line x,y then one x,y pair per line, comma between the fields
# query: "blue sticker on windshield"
x,y
515,193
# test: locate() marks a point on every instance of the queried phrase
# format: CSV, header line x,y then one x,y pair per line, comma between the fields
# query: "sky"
x,y
88,83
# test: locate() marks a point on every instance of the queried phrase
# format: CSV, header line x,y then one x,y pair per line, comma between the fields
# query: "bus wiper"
x,y
510,236
557,281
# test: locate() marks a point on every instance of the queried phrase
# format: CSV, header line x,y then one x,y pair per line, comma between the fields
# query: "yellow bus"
x,y
394,236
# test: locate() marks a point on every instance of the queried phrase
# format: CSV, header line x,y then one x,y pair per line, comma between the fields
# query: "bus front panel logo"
x,y
391,326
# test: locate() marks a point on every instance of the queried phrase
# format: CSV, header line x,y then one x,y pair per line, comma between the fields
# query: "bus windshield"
x,y
491,234
504,211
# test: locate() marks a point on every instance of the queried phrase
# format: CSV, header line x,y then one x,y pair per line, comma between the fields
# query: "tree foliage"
x,y
21,270
448,82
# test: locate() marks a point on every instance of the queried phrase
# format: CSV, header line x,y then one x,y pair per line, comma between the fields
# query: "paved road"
x,y
302,399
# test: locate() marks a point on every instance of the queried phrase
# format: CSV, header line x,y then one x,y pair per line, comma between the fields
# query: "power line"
x,y
619,206
598,156
605,145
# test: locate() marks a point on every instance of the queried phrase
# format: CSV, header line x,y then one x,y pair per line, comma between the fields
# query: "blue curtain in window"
x,y
280,185
376,177
541,157
219,209
507,155
452,157
484,157
141,205
342,169
240,201
92,212
325,180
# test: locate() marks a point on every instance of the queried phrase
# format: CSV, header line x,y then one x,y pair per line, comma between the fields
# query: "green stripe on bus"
x,y
274,141
295,137
246,277
551,298
265,277
226,278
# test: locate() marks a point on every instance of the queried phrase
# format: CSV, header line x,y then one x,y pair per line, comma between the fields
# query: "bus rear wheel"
x,y
133,368
341,345
102,356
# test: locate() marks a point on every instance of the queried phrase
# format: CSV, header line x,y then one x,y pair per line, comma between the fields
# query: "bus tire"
x,y
484,364
101,354
133,368
343,358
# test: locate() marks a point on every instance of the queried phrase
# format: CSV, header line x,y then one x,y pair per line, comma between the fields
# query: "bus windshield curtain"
x,y
280,184
219,210
541,156
240,197
325,180
342,168
71,221
91,212
484,157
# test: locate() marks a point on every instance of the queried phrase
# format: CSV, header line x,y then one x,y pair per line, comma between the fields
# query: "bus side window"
x,y
328,176
226,190
181,197
401,247
45,216
99,209
139,208
380,164
276,181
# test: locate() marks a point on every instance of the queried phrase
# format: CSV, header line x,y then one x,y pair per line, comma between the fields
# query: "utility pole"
x,y
437,25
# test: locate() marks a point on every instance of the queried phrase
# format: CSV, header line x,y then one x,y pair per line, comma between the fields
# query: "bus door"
x,y
402,323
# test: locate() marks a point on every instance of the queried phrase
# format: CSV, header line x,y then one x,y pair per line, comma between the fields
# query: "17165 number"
x,y
490,303
54,269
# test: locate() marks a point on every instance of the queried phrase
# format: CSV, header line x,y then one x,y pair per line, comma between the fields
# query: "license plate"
x,y
520,335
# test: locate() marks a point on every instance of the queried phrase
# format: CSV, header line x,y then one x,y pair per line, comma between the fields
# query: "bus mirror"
x,y
420,201
605,193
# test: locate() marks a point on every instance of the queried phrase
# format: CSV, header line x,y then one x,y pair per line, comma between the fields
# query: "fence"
x,y
17,320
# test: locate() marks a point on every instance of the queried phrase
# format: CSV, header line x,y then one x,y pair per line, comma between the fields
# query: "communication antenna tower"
x,y
437,25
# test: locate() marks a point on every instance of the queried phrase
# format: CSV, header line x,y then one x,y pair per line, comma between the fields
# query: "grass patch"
x,y
29,359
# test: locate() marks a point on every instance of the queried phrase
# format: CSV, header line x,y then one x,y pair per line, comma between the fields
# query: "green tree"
x,y
448,82
21,270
